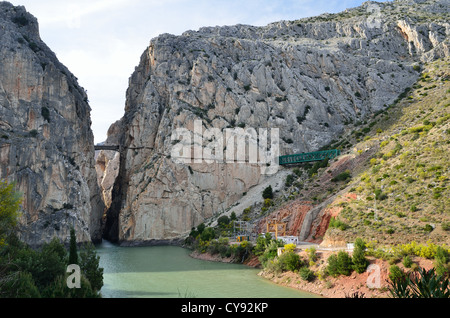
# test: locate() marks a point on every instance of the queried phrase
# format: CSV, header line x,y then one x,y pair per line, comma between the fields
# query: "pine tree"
x,y
89,264
360,262
268,193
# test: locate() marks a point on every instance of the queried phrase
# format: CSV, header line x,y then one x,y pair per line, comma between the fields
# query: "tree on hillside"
x,y
268,193
89,265
360,262
73,254
10,201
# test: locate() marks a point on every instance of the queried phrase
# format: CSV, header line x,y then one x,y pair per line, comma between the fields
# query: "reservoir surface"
x,y
169,272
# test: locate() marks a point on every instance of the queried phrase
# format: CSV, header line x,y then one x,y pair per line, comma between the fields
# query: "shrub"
x,y
208,234
428,228
262,242
268,193
445,226
45,113
289,247
289,261
340,264
319,164
441,261
270,252
306,274
420,284
223,221
338,224
342,176
21,20
407,262
379,195
268,203
396,273
289,180
344,263
312,254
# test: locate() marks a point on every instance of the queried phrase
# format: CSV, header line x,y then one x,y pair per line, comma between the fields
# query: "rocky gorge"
x,y
46,143
311,79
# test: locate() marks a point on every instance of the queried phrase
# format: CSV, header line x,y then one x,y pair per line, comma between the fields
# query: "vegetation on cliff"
x,y
397,211
35,273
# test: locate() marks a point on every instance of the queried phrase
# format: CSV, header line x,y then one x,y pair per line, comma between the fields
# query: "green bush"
x,y
270,251
407,262
223,221
344,263
289,180
441,260
289,261
342,176
319,164
396,273
340,264
306,274
208,234
90,266
45,113
262,242
268,193
338,224
359,260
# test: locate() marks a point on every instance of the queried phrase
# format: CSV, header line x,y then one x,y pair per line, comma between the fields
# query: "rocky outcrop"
x,y
107,166
46,143
308,78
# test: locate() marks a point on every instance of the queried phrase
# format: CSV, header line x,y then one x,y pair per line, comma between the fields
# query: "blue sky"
x,y
101,41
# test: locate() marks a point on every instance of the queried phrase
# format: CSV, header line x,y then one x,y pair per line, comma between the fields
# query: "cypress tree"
x,y
73,255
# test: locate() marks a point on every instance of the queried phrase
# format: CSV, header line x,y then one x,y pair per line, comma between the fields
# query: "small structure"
x,y
273,226
289,239
242,238
242,231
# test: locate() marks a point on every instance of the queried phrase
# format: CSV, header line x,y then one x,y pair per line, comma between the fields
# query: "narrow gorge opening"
x,y
107,165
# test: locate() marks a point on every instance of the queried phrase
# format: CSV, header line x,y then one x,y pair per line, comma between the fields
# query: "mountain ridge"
x,y
310,80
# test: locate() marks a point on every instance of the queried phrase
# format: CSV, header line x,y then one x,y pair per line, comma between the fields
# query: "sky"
x,y
101,41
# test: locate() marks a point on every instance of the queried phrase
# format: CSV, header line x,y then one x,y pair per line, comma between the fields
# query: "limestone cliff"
x,y
309,78
46,143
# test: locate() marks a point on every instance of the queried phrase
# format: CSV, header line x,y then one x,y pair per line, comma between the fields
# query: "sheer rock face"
x,y
46,144
107,167
308,78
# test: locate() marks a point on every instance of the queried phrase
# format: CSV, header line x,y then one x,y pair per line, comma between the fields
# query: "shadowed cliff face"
x,y
307,78
46,144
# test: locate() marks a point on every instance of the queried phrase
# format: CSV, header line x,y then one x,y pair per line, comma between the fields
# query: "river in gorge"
x,y
169,272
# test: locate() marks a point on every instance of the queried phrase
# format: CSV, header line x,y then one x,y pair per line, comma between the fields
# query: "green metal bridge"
x,y
308,156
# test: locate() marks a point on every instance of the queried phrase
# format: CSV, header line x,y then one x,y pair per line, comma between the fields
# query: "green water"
x,y
169,272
